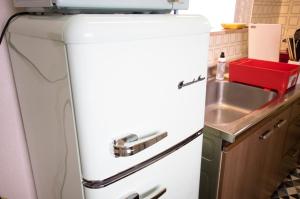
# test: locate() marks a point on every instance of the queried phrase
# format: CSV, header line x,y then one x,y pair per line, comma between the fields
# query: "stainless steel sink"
x,y
227,102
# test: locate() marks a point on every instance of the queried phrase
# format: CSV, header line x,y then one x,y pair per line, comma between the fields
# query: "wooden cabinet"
x,y
256,163
293,135
251,166
242,164
272,174
292,140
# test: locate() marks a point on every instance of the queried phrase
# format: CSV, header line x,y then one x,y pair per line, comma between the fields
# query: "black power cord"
x,y
8,21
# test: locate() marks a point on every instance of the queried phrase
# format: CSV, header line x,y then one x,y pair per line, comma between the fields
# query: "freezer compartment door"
x,y
175,176
134,99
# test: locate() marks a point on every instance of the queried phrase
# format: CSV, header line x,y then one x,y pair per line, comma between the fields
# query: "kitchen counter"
x,y
220,160
230,131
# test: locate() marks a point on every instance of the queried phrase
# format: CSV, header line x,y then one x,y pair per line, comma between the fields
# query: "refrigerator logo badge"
x,y
182,84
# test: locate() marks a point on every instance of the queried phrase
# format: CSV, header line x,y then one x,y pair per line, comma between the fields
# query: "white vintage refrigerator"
x,y
112,105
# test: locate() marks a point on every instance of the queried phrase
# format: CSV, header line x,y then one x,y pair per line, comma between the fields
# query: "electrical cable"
x,y
39,72
8,22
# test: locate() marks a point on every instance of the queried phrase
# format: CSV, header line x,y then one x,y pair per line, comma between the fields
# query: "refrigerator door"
x,y
138,92
174,177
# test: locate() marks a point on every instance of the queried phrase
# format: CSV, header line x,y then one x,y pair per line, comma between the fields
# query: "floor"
x,y
290,187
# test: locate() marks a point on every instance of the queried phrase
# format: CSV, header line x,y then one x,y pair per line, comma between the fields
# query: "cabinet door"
x,y
242,166
293,135
251,169
272,172
292,140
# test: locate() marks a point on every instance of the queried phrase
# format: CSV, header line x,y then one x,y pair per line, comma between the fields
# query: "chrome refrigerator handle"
x,y
152,194
98,184
132,144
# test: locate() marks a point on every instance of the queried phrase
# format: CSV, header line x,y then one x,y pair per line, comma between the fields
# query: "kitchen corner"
x,y
223,134
152,99
231,131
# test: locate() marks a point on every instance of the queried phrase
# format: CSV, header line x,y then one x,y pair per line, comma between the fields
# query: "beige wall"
x,y
15,173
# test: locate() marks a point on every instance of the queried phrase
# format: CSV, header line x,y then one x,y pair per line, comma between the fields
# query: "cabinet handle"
x,y
155,193
280,123
132,144
266,134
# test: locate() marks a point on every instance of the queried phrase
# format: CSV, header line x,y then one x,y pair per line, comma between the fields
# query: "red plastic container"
x,y
266,74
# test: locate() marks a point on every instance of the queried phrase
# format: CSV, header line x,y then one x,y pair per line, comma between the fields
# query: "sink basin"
x,y
227,102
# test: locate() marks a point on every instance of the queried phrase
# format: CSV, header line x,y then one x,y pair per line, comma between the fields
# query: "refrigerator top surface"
x,y
96,28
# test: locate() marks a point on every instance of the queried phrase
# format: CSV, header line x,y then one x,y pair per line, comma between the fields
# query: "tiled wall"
x,y
266,11
289,17
285,12
233,43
